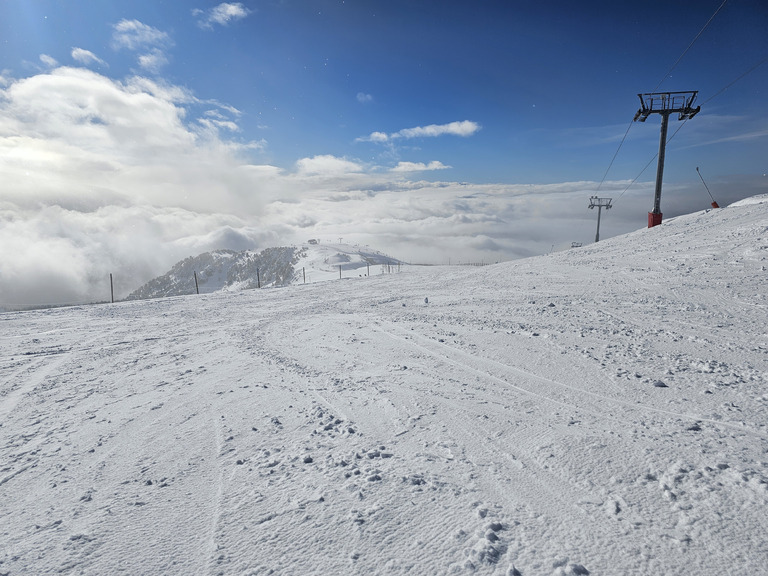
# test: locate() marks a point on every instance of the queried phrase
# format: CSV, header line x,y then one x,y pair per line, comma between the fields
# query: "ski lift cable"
x,y
690,45
724,88
615,154
635,178
652,159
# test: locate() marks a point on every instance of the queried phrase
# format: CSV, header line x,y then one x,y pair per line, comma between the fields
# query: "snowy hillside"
x,y
321,261
602,410
228,270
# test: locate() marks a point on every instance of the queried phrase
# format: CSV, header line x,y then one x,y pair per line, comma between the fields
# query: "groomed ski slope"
x,y
602,410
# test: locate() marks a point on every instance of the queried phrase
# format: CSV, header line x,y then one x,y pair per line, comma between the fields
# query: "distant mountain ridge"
x,y
230,270
224,269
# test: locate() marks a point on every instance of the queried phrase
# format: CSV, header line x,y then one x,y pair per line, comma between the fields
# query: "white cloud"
x,y
153,61
745,137
139,37
362,97
464,128
327,165
377,137
223,14
49,61
718,128
222,106
419,166
219,122
135,35
86,57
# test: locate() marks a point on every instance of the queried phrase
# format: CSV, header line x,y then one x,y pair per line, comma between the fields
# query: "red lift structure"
x,y
664,103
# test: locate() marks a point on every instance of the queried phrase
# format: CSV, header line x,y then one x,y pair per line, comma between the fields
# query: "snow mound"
x,y
760,199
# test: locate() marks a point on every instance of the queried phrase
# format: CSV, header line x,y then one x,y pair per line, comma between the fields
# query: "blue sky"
x,y
434,130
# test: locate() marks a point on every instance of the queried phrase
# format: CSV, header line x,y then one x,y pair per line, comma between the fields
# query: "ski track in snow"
x,y
602,409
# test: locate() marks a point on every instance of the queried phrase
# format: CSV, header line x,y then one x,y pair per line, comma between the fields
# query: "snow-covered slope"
x,y
602,410
228,270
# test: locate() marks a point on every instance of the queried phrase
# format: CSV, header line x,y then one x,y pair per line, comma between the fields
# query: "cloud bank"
x,y
127,177
419,166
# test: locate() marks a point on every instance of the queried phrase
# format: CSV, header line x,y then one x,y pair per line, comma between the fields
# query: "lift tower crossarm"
x,y
664,103
667,103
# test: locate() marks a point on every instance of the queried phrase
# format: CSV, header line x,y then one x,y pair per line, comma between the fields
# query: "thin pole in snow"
x,y
258,278
714,202
197,287
111,288
304,273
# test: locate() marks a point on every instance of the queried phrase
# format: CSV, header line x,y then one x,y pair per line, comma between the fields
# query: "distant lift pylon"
x,y
664,103
599,203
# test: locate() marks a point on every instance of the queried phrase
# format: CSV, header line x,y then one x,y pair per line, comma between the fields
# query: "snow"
x,y
601,410
321,262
